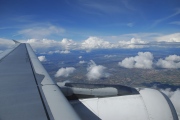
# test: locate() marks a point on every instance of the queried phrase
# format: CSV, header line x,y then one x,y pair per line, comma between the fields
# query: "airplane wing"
x,y
28,93
26,90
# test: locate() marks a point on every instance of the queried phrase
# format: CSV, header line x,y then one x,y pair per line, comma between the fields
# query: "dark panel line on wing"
x,y
173,110
38,87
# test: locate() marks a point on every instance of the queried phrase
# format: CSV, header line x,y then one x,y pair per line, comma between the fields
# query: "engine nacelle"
x,y
118,102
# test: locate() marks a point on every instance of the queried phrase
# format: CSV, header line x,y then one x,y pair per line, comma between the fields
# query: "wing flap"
x,y
60,107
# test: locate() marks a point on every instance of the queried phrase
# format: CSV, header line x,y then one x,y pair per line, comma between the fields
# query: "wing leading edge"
x,y
26,90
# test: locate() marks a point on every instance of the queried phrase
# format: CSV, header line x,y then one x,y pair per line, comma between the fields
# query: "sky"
x,y
110,20
66,25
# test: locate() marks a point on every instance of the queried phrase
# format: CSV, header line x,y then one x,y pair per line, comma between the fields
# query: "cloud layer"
x,y
64,72
96,72
175,37
93,42
126,41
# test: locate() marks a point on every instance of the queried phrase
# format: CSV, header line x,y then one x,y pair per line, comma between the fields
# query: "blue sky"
x,y
79,19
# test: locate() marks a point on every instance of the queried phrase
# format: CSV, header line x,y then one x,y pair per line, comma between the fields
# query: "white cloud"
x,y
65,52
174,97
142,60
69,44
136,41
60,52
96,72
145,61
41,32
43,43
126,41
42,58
82,62
96,43
172,61
175,37
51,52
80,57
90,44
173,58
64,72
109,56
146,37
141,40
64,44
133,43
5,43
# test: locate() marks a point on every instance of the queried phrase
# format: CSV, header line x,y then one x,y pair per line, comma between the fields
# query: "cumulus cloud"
x,y
69,44
133,43
82,62
80,57
143,60
96,43
174,97
64,72
96,72
42,58
172,61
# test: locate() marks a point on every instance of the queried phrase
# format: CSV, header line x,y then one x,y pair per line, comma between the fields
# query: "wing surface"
x,y
26,90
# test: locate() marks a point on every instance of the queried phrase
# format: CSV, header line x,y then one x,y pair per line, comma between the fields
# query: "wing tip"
x,y
15,41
